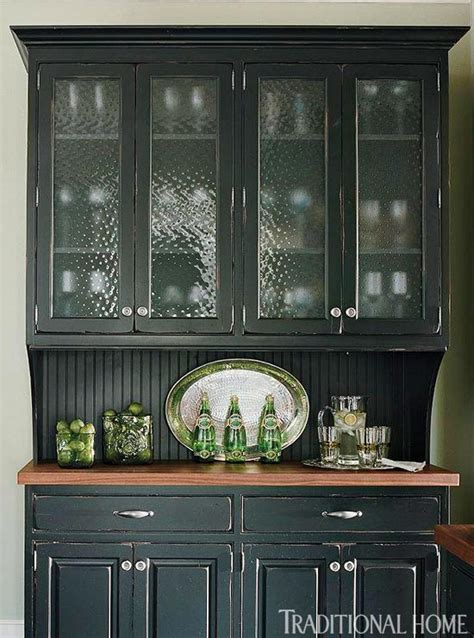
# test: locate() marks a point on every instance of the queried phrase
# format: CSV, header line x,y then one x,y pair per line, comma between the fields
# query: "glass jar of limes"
x,y
128,436
75,443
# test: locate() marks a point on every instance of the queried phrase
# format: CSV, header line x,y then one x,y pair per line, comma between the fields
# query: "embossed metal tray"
x,y
339,466
251,381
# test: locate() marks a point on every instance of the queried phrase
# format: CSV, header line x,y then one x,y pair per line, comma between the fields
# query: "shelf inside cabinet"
x,y
389,137
294,137
381,252
184,136
80,250
87,136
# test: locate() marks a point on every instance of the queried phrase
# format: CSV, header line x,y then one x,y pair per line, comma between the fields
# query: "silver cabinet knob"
x,y
335,312
349,566
127,311
334,566
126,565
351,312
142,311
140,565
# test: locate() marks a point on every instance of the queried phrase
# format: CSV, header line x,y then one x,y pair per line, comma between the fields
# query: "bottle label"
x,y
235,421
270,422
204,454
271,455
204,422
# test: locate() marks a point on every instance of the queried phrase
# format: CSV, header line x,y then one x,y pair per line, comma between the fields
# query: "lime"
x,y
77,445
63,438
62,426
76,426
86,457
88,428
65,457
350,419
144,456
110,412
135,408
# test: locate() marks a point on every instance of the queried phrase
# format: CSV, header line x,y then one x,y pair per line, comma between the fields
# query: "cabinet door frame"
x,y
430,321
277,554
109,555
425,555
46,322
331,74
223,323
215,557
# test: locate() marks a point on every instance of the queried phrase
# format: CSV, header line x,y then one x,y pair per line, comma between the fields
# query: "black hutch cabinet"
x,y
280,193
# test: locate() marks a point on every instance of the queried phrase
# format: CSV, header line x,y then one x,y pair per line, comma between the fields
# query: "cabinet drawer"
x,y
134,513
313,514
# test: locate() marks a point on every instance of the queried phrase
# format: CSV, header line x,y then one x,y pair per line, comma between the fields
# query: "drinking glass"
x,y
367,440
383,443
329,443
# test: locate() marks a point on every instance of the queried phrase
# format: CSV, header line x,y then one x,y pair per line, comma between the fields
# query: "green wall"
x,y
453,424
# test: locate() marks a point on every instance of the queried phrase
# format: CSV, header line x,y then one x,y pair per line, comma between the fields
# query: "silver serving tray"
x,y
340,466
251,381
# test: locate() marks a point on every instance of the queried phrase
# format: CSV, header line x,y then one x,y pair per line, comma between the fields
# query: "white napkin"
x,y
409,466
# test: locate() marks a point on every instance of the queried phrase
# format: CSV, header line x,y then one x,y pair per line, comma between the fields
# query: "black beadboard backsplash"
x,y
69,384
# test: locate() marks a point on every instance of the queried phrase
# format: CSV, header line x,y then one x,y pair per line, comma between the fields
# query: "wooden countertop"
x,y
457,539
287,473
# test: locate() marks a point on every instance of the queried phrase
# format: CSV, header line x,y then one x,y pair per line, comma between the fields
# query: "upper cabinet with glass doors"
x,y
202,195
343,228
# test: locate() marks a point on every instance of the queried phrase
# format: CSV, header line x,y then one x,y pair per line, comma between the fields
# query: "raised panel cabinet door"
x,y
292,179
289,590
83,589
85,198
182,590
392,586
392,215
184,198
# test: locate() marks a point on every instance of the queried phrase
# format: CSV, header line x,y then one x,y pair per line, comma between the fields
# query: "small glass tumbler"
x,y
367,443
329,444
383,443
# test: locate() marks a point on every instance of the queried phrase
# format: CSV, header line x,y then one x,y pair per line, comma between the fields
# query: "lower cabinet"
x,y
83,590
86,590
313,589
253,562
461,595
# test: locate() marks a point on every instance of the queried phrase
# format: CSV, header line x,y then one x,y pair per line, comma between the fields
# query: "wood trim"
x,y
93,36
291,473
458,540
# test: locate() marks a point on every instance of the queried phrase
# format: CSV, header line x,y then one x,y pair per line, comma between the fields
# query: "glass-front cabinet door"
x,y
85,198
184,198
391,199
292,212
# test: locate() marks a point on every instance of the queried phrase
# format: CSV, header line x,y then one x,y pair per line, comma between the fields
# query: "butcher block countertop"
x,y
457,539
287,473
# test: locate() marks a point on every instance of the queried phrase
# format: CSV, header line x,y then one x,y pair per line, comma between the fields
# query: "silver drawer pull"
x,y
345,514
134,514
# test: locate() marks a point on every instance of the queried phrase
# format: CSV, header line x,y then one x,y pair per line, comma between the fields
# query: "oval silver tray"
x,y
251,381
339,466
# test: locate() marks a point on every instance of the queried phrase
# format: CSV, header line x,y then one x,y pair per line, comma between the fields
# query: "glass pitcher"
x,y
349,414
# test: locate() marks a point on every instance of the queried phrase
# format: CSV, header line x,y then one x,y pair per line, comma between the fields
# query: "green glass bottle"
x,y
235,436
204,434
269,433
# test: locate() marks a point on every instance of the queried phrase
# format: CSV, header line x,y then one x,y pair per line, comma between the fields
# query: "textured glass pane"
x,y
184,198
86,211
292,206
390,199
